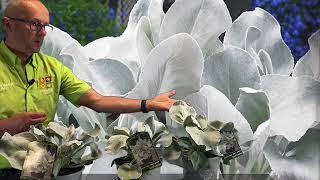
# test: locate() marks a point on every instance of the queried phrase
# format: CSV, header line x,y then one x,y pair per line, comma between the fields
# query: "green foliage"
x,y
83,20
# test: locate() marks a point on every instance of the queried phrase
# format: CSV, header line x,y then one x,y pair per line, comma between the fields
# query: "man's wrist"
x,y
143,106
150,105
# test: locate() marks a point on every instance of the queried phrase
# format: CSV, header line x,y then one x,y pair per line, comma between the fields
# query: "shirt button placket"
x,y
29,100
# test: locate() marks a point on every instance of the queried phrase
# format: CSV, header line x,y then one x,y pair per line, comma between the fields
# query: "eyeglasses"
x,y
35,26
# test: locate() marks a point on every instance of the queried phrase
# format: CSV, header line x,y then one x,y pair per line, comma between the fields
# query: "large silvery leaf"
x,y
309,64
266,62
155,126
139,10
269,40
111,77
299,160
63,110
130,120
262,57
253,160
55,41
156,15
294,103
230,70
175,64
204,20
254,106
14,148
144,39
58,129
217,107
122,47
74,53
127,120
88,119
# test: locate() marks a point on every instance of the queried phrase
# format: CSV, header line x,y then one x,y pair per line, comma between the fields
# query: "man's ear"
x,y
6,23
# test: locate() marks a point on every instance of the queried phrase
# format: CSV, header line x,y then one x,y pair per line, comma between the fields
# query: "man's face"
x,y
27,29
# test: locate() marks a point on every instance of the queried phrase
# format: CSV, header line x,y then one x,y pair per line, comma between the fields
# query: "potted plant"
x,y
131,164
204,144
51,150
196,144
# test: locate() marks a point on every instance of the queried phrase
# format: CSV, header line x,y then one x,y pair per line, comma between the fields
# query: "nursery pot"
x,y
70,174
211,171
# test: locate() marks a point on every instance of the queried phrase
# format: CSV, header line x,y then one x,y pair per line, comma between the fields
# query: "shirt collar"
x,y
12,59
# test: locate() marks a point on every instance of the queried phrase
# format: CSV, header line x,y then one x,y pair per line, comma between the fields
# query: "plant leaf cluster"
x,y
75,148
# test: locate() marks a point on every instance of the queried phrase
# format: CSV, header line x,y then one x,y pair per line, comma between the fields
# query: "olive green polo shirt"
x,y
37,88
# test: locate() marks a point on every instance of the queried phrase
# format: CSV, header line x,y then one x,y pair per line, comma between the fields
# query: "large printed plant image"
x,y
248,79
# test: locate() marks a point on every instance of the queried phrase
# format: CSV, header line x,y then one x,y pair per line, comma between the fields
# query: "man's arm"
x,y
100,103
21,122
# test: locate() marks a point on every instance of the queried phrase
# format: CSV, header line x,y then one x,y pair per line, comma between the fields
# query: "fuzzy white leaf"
x,y
111,77
55,41
124,46
294,102
309,64
204,20
14,148
209,138
230,70
155,126
175,64
88,119
74,54
254,106
302,164
265,62
116,142
270,39
58,129
144,39
156,15
253,160
180,111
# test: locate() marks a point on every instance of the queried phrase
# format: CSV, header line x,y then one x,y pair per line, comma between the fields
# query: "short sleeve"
x,y
72,88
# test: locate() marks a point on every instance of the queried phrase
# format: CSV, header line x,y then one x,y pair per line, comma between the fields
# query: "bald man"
x,y
31,82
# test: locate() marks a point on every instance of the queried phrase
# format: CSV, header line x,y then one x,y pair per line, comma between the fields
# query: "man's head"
x,y
24,22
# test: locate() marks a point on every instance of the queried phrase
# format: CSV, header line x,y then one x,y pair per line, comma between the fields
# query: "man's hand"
x,y
26,119
162,102
21,122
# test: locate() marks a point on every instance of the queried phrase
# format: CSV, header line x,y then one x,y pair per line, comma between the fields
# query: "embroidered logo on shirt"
x,y
5,86
46,82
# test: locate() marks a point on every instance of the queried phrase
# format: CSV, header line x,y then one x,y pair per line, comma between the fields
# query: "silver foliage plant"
x,y
75,148
244,80
128,167
196,140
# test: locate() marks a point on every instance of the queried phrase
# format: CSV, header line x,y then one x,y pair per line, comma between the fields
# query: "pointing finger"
x,y
37,120
171,93
35,115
